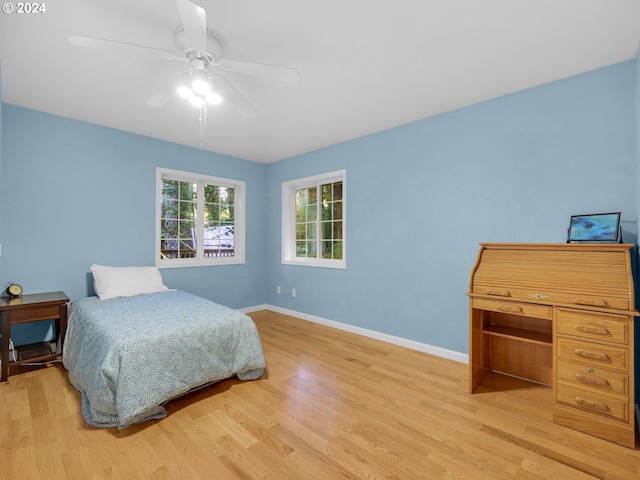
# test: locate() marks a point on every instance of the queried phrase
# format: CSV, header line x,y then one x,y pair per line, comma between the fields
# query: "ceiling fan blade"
x,y
91,42
158,99
194,21
274,72
234,97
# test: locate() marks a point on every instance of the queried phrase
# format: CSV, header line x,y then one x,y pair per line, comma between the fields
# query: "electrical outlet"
x,y
278,289
293,292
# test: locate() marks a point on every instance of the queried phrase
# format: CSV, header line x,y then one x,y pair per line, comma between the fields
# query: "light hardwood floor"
x,y
332,405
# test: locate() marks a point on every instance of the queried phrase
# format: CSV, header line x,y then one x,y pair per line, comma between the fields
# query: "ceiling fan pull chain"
x,y
203,120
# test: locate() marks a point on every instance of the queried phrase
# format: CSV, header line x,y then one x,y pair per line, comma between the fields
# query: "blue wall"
x,y
1,105
420,199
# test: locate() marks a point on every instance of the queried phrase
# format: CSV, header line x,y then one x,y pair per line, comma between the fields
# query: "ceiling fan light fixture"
x,y
185,91
213,98
197,101
201,83
201,87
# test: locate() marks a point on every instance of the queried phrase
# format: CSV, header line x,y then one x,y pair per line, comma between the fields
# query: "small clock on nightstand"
x,y
14,290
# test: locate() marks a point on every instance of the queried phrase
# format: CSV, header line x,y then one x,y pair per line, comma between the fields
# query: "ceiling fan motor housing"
x,y
211,56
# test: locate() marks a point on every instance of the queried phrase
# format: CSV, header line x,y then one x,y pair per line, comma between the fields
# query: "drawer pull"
x,y
589,404
596,302
499,293
588,354
510,308
592,380
591,329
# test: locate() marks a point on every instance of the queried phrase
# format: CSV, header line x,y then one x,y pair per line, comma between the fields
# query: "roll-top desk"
x,y
561,315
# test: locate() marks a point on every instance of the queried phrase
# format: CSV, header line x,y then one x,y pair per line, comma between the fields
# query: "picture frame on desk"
x,y
595,228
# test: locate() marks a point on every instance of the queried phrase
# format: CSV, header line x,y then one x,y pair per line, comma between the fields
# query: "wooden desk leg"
x,y
6,331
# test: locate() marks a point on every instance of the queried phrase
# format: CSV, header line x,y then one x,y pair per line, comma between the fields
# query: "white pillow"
x,y
114,282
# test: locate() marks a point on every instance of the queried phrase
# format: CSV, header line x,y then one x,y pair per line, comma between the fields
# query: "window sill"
x,y
186,263
339,264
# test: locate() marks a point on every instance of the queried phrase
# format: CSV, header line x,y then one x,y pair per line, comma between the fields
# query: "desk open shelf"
x,y
539,338
514,343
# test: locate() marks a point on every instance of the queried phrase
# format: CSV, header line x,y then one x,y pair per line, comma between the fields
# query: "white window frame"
x,y
289,220
239,215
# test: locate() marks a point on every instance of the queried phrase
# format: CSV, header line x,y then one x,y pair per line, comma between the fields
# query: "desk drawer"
x,y
516,308
593,402
553,295
593,354
596,378
593,325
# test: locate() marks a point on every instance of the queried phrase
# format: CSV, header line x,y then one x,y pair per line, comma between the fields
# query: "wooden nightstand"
x,y
31,308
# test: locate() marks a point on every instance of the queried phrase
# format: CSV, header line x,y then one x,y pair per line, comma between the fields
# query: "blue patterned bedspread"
x,y
128,356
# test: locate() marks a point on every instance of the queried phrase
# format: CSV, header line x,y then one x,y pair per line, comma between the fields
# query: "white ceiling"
x,y
366,65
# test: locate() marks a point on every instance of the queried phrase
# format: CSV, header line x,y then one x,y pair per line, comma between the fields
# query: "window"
x,y
313,221
199,220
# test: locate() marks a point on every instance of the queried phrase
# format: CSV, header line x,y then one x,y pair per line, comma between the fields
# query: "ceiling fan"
x,y
200,84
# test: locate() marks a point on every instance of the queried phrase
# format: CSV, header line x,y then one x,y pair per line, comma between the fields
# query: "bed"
x,y
129,355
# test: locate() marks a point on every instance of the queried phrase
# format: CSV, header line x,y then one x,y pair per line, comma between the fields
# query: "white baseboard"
x,y
403,342
256,308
